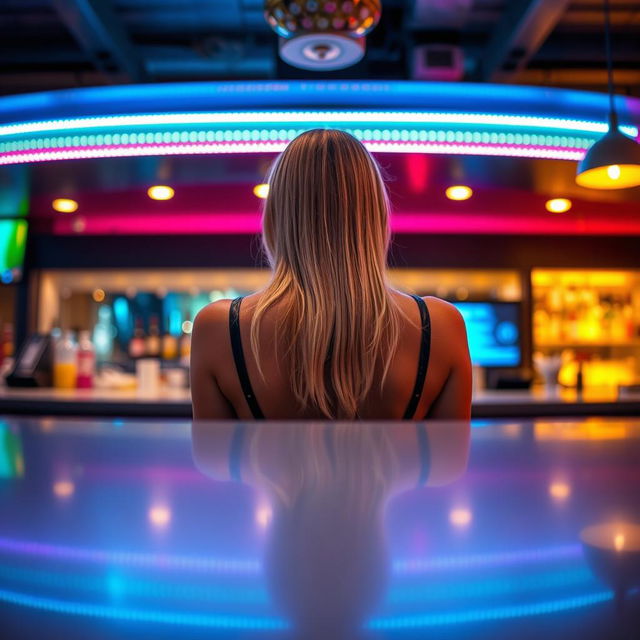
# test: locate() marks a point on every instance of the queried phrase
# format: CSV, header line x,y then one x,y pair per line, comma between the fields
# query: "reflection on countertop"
x,y
120,528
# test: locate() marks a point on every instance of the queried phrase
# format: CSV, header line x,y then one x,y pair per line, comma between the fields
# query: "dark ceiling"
x,y
55,44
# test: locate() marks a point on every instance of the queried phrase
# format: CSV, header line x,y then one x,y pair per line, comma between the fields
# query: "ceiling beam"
x,y
523,28
100,33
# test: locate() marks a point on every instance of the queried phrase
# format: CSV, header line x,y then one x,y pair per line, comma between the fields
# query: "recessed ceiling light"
x,y
558,205
160,192
459,192
261,190
65,205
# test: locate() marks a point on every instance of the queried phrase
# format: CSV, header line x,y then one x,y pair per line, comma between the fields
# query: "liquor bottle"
x,y
86,361
629,329
152,342
6,345
137,344
169,347
65,367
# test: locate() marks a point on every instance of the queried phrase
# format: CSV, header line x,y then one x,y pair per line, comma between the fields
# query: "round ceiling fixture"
x,y
558,205
261,190
459,192
65,205
322,35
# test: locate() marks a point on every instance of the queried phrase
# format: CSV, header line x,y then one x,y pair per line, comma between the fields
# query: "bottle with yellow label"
x,y
65,365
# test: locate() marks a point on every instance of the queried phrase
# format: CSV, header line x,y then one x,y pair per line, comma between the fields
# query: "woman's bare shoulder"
x,y
445,315
212,317
442,307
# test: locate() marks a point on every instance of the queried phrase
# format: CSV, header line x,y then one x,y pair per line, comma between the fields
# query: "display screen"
x,y
13,237
493,331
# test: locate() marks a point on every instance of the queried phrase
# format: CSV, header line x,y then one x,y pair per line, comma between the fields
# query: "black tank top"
x,y
243,374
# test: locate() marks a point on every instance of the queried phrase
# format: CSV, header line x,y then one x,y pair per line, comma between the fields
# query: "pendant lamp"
x,y
613,162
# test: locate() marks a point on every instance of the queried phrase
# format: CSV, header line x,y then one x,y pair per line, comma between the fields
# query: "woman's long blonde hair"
x,y
326,235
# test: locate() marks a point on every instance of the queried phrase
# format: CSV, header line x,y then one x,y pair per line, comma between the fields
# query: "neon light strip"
x,y
129,558
490,587
253,136
485,614
248,566
142,615
259,118
269,623
126,586
276,147
524,556
246,132
503,150
139,150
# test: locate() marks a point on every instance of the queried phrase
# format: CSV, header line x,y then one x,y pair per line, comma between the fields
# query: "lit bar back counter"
x,y
130,208
177,403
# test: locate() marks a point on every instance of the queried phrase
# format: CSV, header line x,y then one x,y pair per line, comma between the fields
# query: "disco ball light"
x,y
322,34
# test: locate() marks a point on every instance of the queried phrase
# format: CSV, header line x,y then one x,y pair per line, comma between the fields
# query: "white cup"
x,y
148,375
176,378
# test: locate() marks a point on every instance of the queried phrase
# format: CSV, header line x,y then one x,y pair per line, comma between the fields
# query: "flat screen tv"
x,y
13,238
493,331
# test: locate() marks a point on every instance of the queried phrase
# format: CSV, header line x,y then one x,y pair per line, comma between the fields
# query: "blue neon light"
x,y
132,558
486,587
219,621
487,614
203,96
119,585
249,566
481,560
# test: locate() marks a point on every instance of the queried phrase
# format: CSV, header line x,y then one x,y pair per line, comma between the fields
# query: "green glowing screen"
x,y
13,237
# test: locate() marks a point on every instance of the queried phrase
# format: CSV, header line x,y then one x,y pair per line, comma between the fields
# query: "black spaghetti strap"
x,y
423,361
238,357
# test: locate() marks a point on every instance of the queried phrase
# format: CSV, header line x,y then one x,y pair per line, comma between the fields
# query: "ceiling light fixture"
x,y
64,205
160,192
558,205
459,192
322,35
261,190
613,162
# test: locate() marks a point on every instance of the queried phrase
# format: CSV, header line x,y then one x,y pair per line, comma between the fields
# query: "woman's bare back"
x,y
217,392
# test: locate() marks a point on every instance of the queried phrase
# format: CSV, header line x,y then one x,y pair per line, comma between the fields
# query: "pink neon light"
x,y
479,149
232,223
121,151
441,222
193,148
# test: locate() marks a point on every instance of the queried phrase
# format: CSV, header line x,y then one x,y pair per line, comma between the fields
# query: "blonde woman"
x,y
328,338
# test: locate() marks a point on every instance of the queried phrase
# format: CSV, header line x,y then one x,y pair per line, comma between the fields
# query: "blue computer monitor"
x,y
493,331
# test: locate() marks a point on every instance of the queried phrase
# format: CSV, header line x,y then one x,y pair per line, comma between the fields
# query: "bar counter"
x,y
176,403
312,530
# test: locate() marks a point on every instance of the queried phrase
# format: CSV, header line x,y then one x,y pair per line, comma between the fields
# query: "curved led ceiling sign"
x,y
210,118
